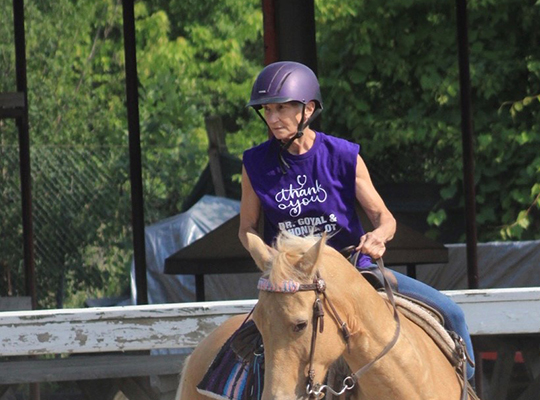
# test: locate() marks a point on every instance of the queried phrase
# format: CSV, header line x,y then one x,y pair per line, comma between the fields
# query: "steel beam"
x,y
137,202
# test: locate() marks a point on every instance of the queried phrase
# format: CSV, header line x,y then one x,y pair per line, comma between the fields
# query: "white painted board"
x,y
500,311
113,329
183,325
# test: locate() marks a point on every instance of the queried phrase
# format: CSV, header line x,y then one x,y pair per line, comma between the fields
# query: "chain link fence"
x,y
82,217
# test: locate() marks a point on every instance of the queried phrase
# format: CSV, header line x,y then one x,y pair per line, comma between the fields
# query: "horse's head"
x,y
286,311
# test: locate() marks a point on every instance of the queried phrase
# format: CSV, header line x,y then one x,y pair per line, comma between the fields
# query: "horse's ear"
x,y
309,260
260,252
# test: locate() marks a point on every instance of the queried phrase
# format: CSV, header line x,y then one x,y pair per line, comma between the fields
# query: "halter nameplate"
x,y
283,287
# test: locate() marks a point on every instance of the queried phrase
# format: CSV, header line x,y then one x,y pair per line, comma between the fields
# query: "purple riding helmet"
x,y
283,82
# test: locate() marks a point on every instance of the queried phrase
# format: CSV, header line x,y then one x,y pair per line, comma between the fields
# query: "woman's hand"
x,y
372,245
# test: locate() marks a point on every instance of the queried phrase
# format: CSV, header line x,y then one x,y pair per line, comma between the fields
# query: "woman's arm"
x,y
250,210
373,243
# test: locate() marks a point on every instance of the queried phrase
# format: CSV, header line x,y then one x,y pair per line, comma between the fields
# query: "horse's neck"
x,y
372,327
370,320
413,369
403,372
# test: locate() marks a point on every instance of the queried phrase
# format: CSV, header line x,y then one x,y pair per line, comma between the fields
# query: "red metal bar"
x,y
271,53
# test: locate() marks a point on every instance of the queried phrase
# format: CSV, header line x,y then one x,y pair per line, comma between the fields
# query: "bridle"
x,y
319,287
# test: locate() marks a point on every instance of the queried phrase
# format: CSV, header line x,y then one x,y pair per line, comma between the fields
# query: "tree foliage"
x,y
390,79
200,64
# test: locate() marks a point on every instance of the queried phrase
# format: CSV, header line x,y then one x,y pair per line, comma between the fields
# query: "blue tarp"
x,y
166,237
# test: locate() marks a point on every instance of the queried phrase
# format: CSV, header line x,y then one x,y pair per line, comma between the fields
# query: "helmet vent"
x,y
274,77
282,82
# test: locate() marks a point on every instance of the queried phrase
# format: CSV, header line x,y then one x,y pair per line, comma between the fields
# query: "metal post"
x,y
468,161
132,99
295,35
24,153
467,141
24,165
295,30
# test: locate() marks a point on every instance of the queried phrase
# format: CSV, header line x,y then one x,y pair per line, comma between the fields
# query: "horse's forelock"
x,y
291,244
290,249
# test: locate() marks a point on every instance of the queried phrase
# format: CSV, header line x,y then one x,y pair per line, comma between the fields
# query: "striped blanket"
x,y
237,372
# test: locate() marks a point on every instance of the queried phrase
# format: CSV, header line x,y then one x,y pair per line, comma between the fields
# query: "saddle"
x,y
373,275
423,315
431,321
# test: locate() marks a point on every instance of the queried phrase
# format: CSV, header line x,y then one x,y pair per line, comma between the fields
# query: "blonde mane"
x,y
290,249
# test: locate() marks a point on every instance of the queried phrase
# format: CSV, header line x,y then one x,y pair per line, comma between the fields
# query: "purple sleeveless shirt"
x,y
318,191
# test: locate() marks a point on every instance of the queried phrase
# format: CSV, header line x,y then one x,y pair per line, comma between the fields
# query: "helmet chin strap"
x,y
299,131
284,165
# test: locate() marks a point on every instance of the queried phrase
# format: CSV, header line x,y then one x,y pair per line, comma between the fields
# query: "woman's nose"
x,y
271,116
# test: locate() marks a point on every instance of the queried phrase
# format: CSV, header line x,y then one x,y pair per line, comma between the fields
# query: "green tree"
x,y
77,110
390,80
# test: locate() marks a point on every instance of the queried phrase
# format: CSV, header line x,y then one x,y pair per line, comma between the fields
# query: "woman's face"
x,y
283,118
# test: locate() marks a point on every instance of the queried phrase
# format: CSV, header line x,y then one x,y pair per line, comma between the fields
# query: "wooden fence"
x,y
115,342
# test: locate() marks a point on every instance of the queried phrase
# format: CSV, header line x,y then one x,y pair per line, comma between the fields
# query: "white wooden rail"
x,y
183,325
98,330
105,343
168,326
500,311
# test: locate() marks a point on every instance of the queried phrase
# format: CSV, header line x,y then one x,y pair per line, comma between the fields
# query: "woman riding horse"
x,y
303,181
307,182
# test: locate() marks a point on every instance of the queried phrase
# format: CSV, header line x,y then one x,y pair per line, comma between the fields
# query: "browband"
x,y
290,286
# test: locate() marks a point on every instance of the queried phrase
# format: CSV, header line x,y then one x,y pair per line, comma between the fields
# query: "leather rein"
x,y
319,287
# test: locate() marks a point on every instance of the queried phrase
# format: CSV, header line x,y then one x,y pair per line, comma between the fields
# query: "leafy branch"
x,y
518,105
523,219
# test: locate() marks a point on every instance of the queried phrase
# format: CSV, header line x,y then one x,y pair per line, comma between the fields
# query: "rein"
x,y
319,287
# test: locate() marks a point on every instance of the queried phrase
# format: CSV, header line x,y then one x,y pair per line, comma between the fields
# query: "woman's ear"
x,y
310,109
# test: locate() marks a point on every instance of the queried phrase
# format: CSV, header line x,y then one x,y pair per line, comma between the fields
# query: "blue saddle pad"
x,y
237,372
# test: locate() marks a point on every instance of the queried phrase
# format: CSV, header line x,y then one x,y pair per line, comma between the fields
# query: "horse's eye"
x,y
300,326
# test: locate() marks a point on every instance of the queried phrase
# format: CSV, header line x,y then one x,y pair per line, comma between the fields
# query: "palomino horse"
x,y
413,369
